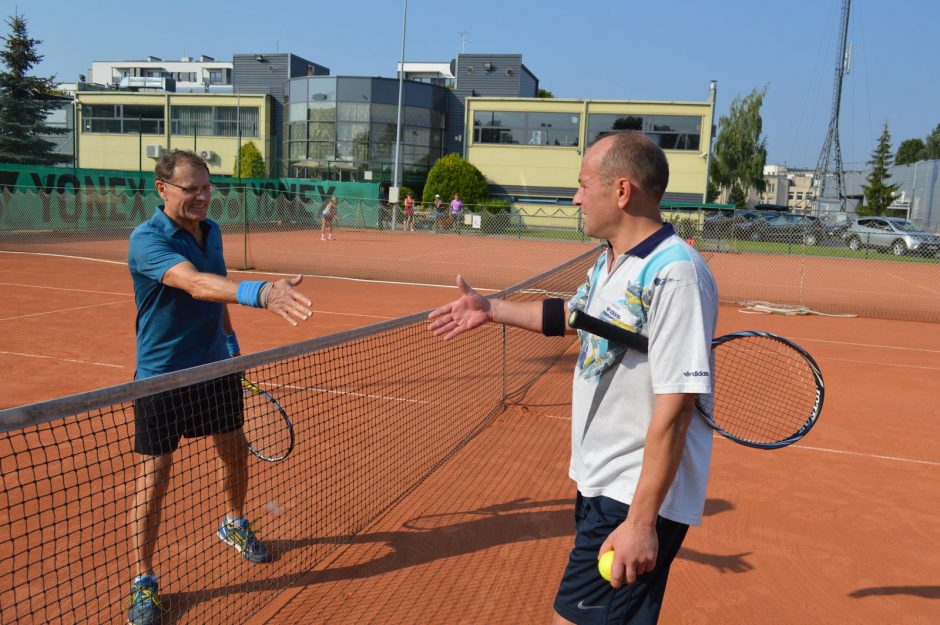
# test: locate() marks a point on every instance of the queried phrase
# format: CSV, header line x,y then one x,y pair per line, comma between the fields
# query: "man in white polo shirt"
x,y
638,456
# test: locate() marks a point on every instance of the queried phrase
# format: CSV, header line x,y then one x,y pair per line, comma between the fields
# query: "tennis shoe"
x,y
238,533
144,608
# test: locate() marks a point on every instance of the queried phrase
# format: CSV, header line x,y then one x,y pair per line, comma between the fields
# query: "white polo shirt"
x,y
663,289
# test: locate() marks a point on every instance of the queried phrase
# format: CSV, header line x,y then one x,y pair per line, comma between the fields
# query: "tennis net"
x,y
375,412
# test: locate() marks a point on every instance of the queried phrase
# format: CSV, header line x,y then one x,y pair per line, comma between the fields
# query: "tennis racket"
x,y
267,427
768,391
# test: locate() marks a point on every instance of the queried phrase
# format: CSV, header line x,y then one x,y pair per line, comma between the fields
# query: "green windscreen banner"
x,y
58,198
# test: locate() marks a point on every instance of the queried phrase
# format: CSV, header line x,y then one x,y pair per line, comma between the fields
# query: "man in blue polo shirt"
x,y
639,458
182,292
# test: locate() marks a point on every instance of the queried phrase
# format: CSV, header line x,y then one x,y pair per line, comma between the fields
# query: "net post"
x,y
505,331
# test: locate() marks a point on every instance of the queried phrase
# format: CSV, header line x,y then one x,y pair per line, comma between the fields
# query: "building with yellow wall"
x,y
129,130
530,149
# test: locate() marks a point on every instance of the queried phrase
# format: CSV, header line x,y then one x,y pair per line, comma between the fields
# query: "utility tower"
x,y
828,180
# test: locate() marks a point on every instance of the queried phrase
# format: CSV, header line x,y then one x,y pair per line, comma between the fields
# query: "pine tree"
x,y
878,193
25,102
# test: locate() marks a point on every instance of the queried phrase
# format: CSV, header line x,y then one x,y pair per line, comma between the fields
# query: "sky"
x,y
596,49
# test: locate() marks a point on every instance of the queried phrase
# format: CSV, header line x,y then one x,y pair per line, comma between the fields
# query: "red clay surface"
x,y
839,528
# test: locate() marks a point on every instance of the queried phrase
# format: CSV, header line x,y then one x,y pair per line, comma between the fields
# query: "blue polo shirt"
x,y
174,331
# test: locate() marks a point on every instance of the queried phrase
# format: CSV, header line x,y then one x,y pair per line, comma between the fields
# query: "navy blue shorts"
x,y
584,597
201,409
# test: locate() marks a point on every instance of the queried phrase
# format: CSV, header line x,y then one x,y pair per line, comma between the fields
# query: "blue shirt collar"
x,y
645,247
167,225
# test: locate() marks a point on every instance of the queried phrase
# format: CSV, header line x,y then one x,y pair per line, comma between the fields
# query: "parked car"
x,y
789,228
837,230
891,233
732,224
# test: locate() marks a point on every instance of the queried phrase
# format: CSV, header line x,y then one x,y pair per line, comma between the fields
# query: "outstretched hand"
x,y
287,302
469,311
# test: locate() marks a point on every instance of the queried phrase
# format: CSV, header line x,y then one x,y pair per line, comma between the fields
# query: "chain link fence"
x,y
780,260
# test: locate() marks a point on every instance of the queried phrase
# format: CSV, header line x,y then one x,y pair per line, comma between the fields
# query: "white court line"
x,y
94,260
910,349
52,312
62,288
82,362
878,363
875,456
351,393
822,449
267,273
920,286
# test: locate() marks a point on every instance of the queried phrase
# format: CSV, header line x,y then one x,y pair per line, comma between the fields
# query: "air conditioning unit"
x,y
154,151
207,155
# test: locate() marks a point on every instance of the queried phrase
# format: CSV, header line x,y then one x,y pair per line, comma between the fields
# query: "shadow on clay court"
x,y
428,538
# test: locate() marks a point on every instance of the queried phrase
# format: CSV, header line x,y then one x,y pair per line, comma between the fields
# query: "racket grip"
x,y
580,320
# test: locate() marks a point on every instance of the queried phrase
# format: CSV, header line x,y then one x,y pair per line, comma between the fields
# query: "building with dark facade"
x,y
269,74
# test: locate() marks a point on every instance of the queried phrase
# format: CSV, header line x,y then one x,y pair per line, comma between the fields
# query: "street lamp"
x,y
401,82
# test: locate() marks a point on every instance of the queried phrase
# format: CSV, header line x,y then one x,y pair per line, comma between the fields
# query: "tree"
x,y
249,163
740,149
878,193
910,151
544,93
932,145
25,103
451,174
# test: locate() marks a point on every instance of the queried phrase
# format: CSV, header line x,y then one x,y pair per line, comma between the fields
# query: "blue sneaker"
x,y
238,533
144,607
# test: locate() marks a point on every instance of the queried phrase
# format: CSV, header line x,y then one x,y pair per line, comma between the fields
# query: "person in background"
x,y
456,212
182,293
439,211
409,211
329,215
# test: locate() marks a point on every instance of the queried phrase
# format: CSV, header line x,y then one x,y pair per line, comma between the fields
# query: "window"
x,y
214,121
670,132
216,77
526,128
123,119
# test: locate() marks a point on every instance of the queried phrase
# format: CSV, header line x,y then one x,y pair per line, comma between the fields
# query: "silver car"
x,y
890,233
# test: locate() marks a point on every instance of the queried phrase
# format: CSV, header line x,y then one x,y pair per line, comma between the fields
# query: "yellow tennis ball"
x,y
604,564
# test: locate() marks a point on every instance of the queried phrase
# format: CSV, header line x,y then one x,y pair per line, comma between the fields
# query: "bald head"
x,y
634,156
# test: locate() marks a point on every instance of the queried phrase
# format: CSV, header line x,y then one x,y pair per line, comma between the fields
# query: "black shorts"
x,y
201,409
584,597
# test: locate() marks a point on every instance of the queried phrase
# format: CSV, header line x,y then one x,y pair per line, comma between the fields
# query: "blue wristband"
x,y
249,292
231,343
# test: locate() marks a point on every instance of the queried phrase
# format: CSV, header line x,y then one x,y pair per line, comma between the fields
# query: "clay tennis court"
x,y
838,528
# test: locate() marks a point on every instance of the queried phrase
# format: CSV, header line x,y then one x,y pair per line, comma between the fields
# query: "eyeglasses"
x,y
191,190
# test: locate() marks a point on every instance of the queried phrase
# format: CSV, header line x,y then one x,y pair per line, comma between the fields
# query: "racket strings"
x,y
264,425
765,390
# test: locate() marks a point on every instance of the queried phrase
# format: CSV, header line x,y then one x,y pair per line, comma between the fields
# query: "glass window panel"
x,y
321,131
321,111
385,91
556,121
298,131
104,125
417,136
352,132
507,119
298,90
145,112
297,111
352,112
99,110
677,123
321,151
321,89
298,150
562,137
415,116
249,121
354,89
383,132
385,113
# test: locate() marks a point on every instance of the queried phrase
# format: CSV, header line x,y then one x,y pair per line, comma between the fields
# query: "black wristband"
x,y
553,317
